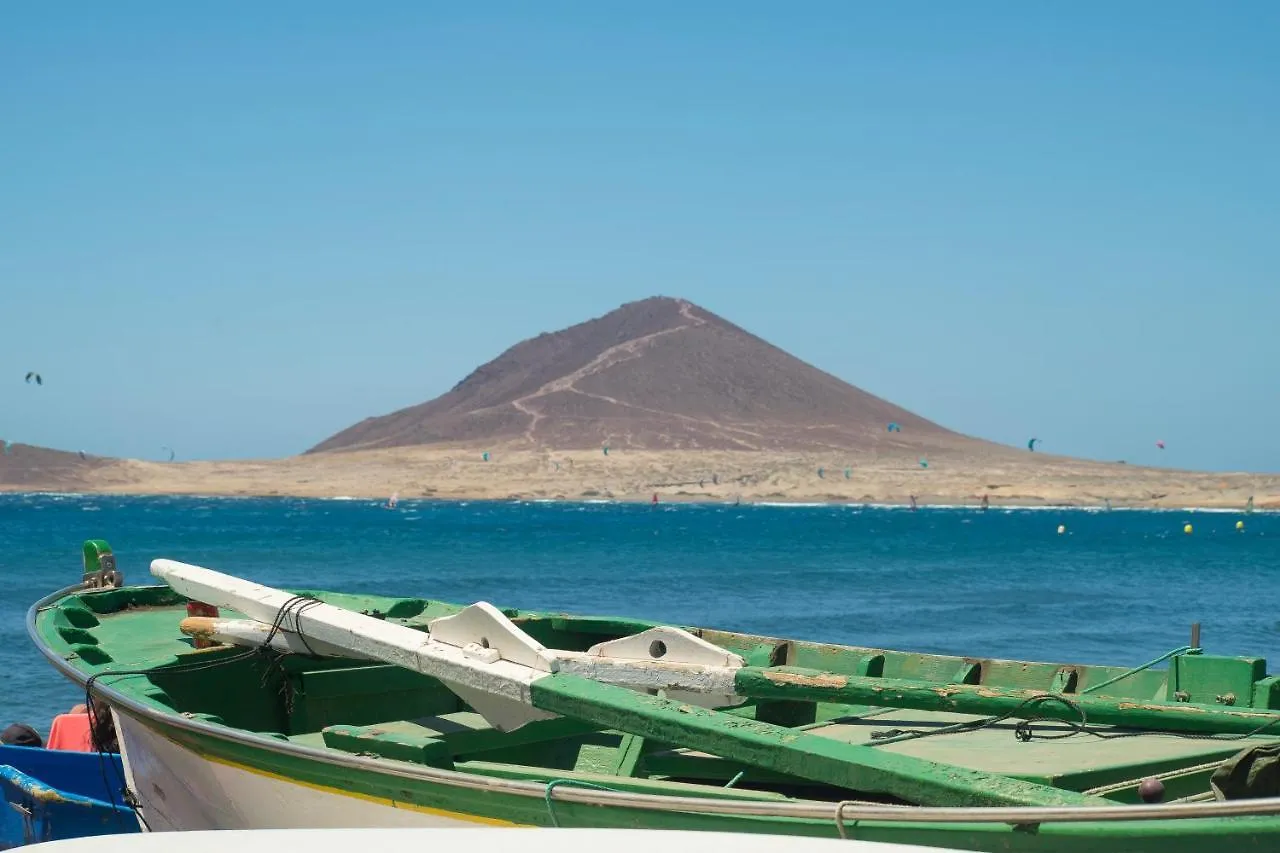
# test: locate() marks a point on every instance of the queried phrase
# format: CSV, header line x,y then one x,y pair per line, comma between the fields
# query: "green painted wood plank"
x,y
397,745
799,754
465,732
783,683
630,751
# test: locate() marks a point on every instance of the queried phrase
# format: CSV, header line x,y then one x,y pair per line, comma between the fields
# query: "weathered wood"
x,y
251,633
478,652
789,683
798,754
495,687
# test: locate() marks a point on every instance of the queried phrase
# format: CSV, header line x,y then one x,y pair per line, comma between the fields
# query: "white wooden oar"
x,y
497,688
708,685
478,653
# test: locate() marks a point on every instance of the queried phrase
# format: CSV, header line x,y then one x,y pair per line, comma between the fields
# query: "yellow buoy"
x,y
1186,528
1239,525
1062,528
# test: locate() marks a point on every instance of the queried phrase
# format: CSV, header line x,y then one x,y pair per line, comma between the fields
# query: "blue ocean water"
x,y
1119,587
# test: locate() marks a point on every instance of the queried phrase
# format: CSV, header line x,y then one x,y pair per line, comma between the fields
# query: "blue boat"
x,y
56,794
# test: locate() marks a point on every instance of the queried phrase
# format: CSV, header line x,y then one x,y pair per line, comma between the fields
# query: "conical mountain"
x,y
656,374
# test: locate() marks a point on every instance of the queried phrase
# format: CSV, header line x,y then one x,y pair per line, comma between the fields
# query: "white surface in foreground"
x,y
471,840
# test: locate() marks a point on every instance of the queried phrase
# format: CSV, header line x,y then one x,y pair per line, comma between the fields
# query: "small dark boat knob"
x,y
1151,790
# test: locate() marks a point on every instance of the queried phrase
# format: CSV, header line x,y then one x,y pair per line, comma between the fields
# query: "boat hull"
x,y
190,780
180,788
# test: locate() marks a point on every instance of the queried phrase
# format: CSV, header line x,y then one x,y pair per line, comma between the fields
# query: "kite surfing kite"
x,y
36,377
1031,445
170,449
893,427
1160,444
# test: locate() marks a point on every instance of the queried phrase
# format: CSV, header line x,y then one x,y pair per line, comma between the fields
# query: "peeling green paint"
x,y
815,686
795,753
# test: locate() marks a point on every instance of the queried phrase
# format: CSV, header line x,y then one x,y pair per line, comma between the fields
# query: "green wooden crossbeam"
x,y
798,754
783,683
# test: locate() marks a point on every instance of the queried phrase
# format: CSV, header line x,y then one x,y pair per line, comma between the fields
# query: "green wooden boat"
x,y
321,709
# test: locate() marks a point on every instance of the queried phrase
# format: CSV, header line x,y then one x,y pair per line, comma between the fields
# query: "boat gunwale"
x,y
838,813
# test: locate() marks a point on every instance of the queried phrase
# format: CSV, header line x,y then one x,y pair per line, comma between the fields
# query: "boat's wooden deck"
x,y
145,635
1078,761
1056,756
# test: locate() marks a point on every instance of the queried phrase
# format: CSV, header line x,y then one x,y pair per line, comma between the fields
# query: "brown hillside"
x,y
656,374
38,468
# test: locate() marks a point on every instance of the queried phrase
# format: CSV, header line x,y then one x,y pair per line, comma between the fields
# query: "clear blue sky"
x,y
237,228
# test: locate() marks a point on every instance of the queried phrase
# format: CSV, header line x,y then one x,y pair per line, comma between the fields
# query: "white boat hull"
x,y
178,789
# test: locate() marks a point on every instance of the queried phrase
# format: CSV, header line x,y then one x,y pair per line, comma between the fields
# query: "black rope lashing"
x,y
1025,731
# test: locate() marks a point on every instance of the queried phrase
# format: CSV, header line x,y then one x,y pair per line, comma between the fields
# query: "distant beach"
x,y
463,473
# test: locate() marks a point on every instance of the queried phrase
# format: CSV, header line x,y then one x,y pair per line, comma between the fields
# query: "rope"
x,y
95,737
551,786
1137,669
840,828
1024,732
296,606
1103,790
839,817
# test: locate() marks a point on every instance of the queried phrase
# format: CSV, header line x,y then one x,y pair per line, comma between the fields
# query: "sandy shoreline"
x,y
1007,479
